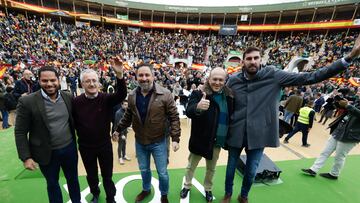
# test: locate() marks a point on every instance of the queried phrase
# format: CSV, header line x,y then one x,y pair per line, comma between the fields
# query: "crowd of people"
x,y
40,55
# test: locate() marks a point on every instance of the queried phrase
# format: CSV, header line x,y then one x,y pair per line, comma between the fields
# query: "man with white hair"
x,y
92,113
24,86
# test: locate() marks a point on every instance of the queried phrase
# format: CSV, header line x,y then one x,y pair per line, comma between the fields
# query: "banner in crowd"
x,y
122,17
354,81
228,30
2,71
199,67
231,70
81,24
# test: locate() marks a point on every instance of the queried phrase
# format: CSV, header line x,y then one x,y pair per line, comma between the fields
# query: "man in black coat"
x,y
24,86
210,111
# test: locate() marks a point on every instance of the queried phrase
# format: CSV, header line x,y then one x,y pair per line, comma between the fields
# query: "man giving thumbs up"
x,y
209,110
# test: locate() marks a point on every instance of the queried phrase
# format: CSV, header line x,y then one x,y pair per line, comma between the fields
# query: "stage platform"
x,y
21,186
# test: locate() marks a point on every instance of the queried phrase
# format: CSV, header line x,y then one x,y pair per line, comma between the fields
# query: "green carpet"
x,y
19,186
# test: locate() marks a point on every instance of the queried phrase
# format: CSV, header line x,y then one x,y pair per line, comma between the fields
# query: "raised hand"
x,y
117,65
203,103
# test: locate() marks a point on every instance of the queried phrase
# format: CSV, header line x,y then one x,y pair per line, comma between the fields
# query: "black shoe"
x,y
305,145
208,196
184,192
111,200
309,172
164,199
95,199
286,141
328,176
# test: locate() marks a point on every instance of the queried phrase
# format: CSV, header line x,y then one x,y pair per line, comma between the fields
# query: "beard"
x,y
145,86
51,93
252,69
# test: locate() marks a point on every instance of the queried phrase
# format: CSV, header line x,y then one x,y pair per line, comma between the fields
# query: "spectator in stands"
x,y
72,80
24,86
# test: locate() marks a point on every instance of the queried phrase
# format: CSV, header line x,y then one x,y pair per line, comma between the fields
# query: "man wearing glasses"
x,y
92,113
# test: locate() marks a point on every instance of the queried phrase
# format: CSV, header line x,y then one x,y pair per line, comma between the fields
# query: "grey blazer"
x,y
32,136
256,103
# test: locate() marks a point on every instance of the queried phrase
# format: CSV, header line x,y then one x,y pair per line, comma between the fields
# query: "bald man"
x,y
209,110
24,86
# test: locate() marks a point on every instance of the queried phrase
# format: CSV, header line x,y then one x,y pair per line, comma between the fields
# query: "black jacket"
x,y
204,124
351,129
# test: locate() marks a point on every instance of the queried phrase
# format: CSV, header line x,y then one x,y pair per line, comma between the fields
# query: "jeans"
x,y
91,157
341,150
287,116
5,117
304,128
252,163
67,159
160,154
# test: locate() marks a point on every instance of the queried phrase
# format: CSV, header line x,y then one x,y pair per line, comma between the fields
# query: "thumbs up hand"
x,y
204,103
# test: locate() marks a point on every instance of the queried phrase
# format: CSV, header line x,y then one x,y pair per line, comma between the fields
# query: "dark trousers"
x,y
304,128
121,148
104,155
5,118
67,159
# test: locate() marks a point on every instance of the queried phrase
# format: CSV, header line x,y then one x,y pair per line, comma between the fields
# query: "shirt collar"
x,y
45,96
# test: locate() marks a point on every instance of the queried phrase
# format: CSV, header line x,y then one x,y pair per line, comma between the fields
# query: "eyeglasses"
x,y
88,82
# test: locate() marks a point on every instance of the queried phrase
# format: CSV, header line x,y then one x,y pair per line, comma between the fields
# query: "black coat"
x,y
21,87
204,124
351,133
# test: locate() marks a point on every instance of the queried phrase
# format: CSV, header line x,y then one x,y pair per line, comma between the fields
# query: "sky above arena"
x,y
215,3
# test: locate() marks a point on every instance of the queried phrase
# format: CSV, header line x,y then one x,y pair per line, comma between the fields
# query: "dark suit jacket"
x,y
32,135
20,88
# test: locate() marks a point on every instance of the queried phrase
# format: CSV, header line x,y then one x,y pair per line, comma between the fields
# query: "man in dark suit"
x,y
44,134
24,86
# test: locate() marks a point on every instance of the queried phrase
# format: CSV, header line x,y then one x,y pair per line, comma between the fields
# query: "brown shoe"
x,y
226,199
141,196
243,199
164,199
